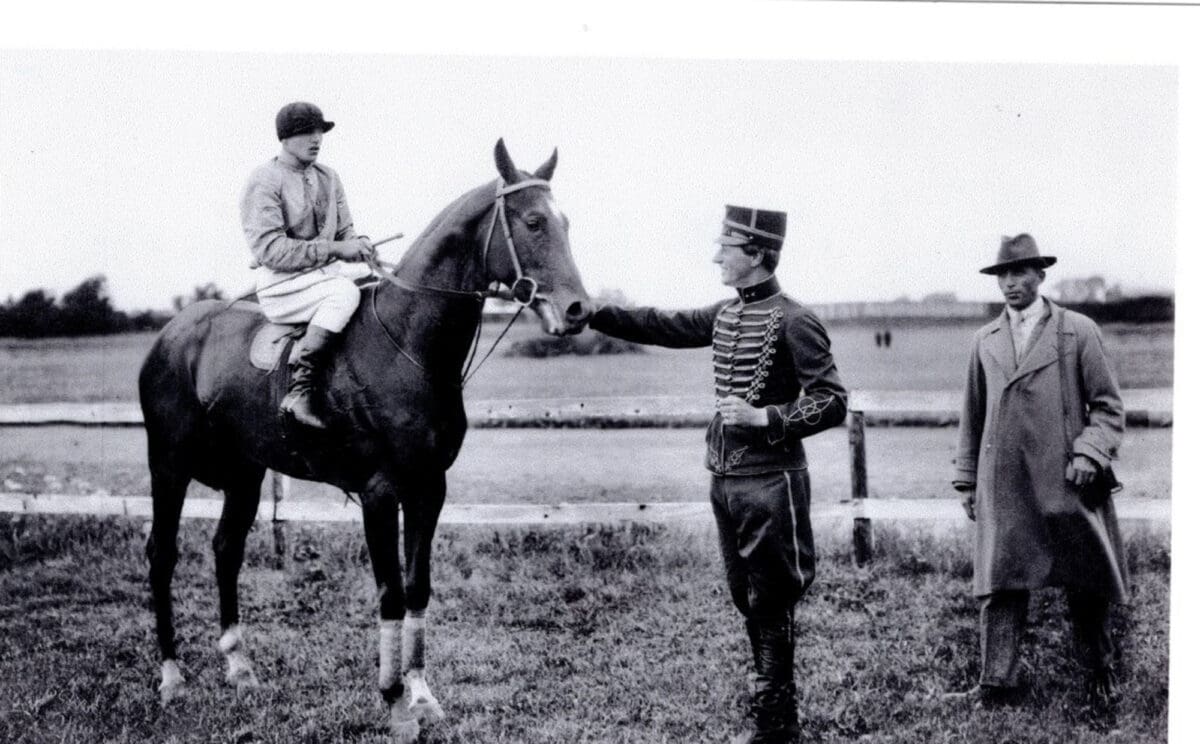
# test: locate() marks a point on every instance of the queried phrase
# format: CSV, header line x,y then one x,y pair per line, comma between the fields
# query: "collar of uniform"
x,y
760,291
295,165
1036,309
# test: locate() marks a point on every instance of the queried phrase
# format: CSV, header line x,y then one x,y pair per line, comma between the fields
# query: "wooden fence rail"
x,y
875,408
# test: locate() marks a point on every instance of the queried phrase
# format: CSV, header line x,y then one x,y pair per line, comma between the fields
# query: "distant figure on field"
x,y
1041,422
299,228
887,338
776,383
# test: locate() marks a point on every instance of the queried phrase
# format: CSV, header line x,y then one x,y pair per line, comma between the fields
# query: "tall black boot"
x,y
774,705
313,351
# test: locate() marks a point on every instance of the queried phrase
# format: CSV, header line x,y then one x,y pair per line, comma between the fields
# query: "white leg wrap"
x,y
240,671
413,641
389,654
172,686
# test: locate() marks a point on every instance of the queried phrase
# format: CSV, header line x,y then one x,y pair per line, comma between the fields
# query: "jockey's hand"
x,y
354,249
737,412
1082,470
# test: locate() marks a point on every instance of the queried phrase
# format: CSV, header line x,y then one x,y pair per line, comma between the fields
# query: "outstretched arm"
x,y
647,325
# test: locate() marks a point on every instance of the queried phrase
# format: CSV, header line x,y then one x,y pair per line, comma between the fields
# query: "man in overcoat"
x,y
776,383
1041,423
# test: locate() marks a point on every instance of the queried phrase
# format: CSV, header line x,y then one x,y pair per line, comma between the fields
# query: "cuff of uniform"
x,y
321,249
776,425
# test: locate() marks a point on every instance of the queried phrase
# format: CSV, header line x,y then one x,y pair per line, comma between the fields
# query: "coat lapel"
x,y
1043,348
998,344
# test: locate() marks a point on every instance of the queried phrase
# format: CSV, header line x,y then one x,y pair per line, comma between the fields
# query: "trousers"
x,y
1002,619
325,297
766,539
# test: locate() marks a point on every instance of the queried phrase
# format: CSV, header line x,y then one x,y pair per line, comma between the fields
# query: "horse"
x,y
394,403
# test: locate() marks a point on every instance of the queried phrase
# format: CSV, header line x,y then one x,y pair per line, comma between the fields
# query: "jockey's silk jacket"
x,y
769,350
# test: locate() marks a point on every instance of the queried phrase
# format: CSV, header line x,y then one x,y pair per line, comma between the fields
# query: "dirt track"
x,y
567,465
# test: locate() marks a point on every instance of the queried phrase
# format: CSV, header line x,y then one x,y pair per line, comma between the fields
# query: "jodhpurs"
x,y
766,539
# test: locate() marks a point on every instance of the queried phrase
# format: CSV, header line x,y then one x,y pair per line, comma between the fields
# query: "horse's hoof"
x,y
243,679
422,705
404,730
173,685
170,693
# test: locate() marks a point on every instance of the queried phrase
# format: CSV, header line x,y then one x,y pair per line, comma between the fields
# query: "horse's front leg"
x,y
422,507
381,513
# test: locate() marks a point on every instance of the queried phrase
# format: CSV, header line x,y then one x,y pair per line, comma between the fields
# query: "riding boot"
x,y
773,707
312,352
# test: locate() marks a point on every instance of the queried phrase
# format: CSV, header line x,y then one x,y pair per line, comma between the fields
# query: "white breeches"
x,y
326,297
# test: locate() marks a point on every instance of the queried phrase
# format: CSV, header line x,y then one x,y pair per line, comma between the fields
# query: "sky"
x,y
899,176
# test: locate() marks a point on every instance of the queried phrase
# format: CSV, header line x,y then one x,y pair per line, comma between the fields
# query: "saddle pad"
x,y
269,342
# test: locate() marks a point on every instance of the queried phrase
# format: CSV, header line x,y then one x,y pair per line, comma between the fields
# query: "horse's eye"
x,y
533,222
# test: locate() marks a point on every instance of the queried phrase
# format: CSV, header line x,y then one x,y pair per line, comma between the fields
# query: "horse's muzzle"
x,y
565,321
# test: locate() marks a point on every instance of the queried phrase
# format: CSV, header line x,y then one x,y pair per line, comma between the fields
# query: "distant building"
x,y
1086,289
940,297
937,309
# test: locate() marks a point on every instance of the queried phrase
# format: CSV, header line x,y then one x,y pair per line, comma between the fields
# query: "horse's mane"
x,y
448,224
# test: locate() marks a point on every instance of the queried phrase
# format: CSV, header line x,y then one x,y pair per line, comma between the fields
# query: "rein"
x,y
524,289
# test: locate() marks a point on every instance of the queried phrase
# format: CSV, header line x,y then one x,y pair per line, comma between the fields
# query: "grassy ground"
x,y
579,635
920,358
569,465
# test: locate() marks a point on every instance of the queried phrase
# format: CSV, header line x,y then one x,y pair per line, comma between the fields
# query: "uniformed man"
x,y
299,228
776,383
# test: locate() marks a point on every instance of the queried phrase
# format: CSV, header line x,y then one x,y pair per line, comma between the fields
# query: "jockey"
x,y
296,221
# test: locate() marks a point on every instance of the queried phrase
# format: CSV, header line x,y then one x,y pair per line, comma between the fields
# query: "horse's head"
x,y
529,249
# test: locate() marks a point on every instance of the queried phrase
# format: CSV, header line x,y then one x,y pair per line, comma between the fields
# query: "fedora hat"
x,y
1018,251
748,226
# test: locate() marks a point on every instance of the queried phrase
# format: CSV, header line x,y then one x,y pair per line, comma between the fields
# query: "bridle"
x,y
524,289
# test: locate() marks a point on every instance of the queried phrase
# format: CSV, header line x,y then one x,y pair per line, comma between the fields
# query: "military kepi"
x,y
300,118
1018,251
748,226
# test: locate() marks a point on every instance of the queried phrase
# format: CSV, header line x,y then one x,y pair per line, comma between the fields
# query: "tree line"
x,y
85,310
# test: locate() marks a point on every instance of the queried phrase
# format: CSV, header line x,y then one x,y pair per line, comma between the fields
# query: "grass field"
x,y
577,635
920,358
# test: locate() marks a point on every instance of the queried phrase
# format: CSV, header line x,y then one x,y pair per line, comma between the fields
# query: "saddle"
x,y
271,340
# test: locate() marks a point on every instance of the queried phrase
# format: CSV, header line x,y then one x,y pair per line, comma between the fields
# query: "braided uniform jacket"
x,y
769,350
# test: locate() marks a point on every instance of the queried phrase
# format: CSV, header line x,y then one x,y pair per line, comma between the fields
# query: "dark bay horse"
x,y
395,406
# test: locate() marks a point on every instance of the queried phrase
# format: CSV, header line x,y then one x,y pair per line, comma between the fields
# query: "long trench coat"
x,y
1032,528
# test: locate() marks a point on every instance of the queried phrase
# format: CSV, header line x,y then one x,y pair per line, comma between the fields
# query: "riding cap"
x,y
300,118
1018,251
748,226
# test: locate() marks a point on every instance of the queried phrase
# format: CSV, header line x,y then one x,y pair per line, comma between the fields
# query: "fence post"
x,y
863,536
278,487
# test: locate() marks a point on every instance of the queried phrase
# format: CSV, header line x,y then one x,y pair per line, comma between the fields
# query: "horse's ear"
x,y
504,163
547,168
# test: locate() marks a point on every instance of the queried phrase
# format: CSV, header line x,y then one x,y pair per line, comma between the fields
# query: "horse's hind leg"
x,y
229,546
168,488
